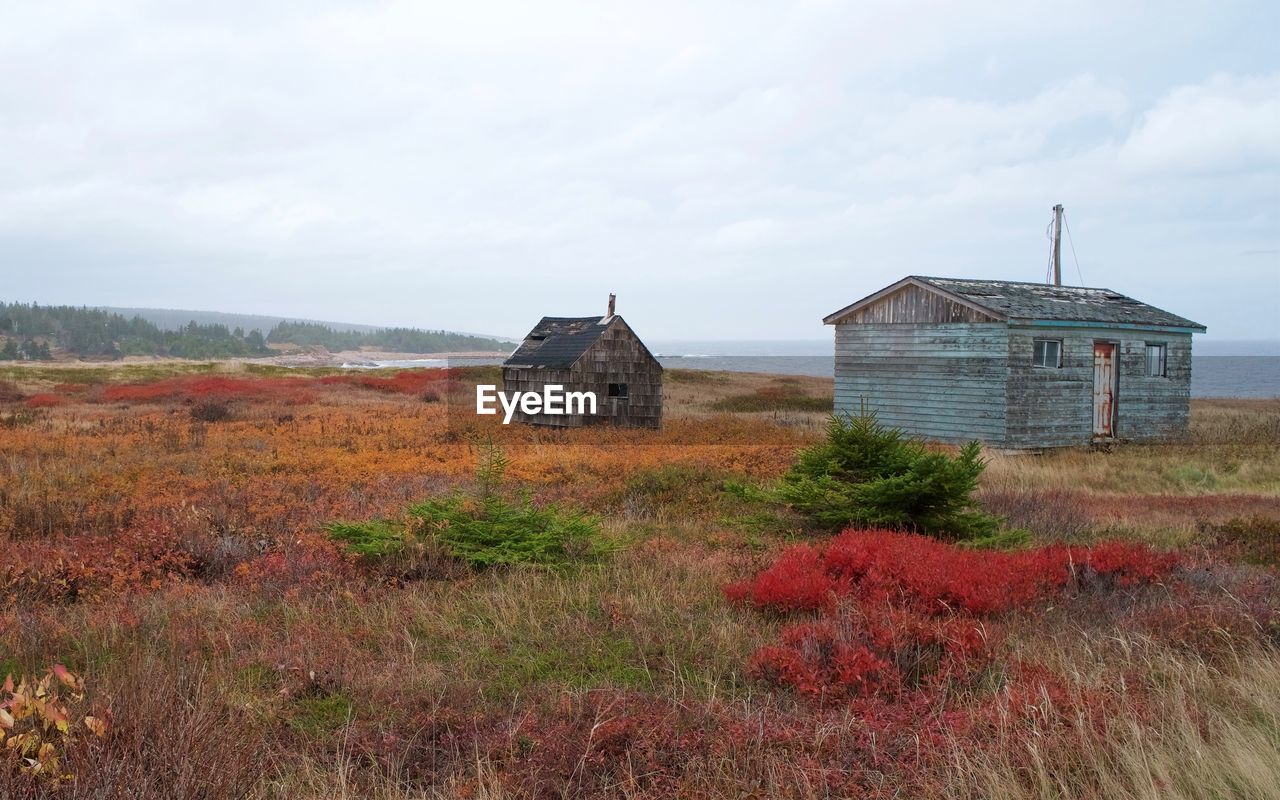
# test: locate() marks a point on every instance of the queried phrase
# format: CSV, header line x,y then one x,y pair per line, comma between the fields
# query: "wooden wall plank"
x,y
912,304
1054,407
938,381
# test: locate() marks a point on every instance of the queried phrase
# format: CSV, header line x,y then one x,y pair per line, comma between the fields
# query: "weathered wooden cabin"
x,y
589,354
1015,365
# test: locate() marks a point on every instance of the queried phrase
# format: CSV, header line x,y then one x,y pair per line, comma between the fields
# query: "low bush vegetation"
x,y
45,400
938,578
669,491
695,376
1252,540
487,528
199,389
371,539
206,390
40,718
211,411
901,627
494,531
868,475
242,645
1053,514
779,396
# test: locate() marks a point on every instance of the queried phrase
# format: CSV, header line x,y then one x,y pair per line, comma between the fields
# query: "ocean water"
x,y
1211,375
1235,376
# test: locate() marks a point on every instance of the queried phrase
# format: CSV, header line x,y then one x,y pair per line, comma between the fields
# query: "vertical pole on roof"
x,y
1057,245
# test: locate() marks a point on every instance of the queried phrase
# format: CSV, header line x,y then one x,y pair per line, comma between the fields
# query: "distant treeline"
x,y
26,331
95,333
170,319
391,340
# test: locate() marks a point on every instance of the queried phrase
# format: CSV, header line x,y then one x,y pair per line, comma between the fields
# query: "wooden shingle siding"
x,y
938,381
619,357
616,356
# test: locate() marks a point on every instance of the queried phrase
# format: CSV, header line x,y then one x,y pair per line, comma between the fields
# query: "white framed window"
x,y
1156,359
1047,353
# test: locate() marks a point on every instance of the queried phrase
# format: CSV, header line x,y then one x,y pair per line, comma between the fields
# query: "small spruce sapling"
x,y
868,475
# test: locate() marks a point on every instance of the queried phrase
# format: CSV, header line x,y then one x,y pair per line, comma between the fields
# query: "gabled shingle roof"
x,y
557,342
1019,301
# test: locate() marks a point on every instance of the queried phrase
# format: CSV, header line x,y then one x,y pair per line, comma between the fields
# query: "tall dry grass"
x,y
1207,733
244,677
1187,730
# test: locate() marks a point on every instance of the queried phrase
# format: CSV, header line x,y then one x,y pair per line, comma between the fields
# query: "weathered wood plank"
x,y
938,381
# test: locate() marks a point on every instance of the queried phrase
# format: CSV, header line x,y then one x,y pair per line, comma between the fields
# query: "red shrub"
x,y
294,390
45,400
606,743
211,387
797,581
897,611
306,563
866,650
69,568
934,577
413,381
1213,613
1128,563
819,660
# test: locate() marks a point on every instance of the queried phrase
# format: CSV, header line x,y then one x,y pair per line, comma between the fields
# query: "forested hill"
x,y
35,332
392,340
170,319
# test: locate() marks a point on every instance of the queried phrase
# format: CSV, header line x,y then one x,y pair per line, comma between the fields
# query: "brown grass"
x,y
243,676
1175,747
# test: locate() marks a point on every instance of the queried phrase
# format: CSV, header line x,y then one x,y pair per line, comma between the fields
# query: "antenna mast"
x,y
1057,245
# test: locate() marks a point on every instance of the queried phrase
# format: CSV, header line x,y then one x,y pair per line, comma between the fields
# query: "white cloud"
x,y
464,152
1225,123
747,234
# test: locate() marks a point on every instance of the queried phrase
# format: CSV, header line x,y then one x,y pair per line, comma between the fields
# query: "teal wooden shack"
x,y
1012,364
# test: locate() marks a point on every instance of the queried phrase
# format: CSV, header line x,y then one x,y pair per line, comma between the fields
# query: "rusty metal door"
x,y
1104,390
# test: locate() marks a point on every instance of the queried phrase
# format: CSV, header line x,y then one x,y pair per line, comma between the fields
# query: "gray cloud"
x,y
728,170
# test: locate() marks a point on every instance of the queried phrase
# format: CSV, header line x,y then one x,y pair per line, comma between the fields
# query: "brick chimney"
x,y
612,301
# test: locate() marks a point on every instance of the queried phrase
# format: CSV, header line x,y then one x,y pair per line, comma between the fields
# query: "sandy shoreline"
x,y
362,357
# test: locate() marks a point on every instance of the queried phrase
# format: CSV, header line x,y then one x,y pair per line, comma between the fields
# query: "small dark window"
x,y
1156,366
617,390
1047,353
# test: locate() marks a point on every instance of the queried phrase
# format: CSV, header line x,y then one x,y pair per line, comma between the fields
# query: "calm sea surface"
x,y
1211,376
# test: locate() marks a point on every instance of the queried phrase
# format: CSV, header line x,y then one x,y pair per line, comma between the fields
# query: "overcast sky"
x,y
731,170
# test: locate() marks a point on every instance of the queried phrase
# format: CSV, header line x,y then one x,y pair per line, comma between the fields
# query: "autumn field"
x,y
235,581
